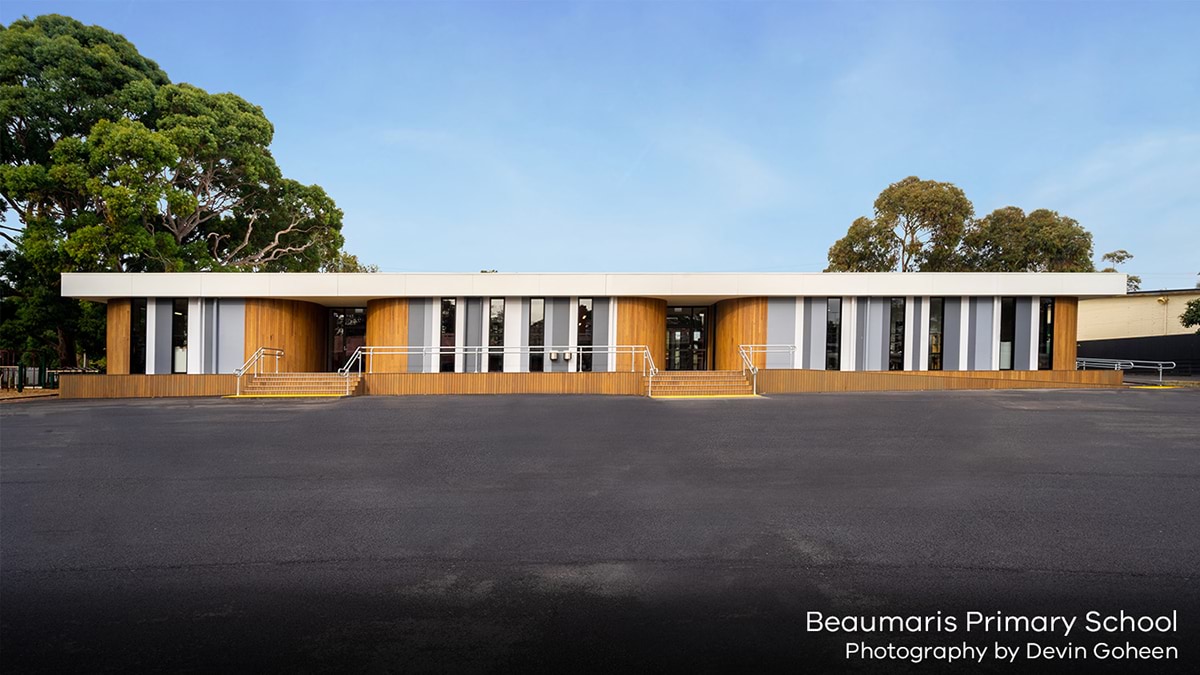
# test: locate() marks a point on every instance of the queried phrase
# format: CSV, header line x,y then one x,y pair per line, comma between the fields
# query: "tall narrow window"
x,y
179,335
1008,331
1046,334
449,328
896,335
537,334
833,334
137,336
584,339
937,313
496,336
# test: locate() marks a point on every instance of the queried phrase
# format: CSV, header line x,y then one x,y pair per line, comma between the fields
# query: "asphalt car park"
x,y
591,533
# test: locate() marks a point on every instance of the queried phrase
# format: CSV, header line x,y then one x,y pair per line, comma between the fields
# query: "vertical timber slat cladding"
x,y
741,321
642,321
402,384
145,386
806,381
387,326
297,327
1066,324
116,354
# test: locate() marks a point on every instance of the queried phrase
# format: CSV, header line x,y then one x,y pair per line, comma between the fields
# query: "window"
x,y
537,334
179,336
833,334
449,326
1008,331
496,336
937,312
137,336
584,335
1046,334
896,335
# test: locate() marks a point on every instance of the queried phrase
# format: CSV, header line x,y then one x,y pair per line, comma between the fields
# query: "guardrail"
x,y
364,357
747,353
256,362
1084,363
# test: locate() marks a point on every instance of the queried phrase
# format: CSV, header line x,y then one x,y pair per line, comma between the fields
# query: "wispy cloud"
x,y
729,168
1139,194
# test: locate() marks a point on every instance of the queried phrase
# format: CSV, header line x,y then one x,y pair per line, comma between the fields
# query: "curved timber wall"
x,y
1066,329
297,327
387,326
642,321
741,321
116,353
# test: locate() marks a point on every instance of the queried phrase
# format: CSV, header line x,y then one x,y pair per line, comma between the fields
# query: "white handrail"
x,y
367,354
255,362
747,353
1084,362
748,365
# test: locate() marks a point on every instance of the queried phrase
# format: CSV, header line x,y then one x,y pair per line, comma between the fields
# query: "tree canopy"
x,y
929,226
109,166
1191,315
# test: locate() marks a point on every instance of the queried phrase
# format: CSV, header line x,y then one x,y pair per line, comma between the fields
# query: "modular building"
x,y
663,334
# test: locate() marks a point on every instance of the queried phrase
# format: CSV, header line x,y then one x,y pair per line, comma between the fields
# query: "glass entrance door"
x,y
347,332
687,338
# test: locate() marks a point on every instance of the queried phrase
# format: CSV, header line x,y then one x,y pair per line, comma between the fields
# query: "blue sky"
x,y
669,136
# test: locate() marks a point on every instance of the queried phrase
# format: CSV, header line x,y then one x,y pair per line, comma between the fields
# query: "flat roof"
x,y
335,289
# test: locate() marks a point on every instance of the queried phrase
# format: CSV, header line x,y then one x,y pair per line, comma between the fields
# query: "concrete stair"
x,y
701,383
299,384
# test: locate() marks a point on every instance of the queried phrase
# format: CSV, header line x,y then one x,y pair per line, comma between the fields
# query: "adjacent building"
x,y
1143,326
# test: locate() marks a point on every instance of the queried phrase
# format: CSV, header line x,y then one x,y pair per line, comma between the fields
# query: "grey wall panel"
x,y
1022,349
558,323
600,324
873,314
982,334
781,330
419,310
815,312
951,330
473,340
230,329
158,335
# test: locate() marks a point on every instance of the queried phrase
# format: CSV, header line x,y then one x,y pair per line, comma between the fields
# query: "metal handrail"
x,y
747,353
366,354
1085,362
255,362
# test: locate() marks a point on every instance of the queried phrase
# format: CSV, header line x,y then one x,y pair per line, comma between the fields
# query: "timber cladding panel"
x,y
116,353
805,381
741,321
387,326
401,384
145,386
298,328
642,321
1066,327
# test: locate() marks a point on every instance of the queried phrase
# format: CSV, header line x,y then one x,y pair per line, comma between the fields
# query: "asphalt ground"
x,y
603,534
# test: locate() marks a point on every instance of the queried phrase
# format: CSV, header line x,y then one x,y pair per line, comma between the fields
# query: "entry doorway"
x,y
687,337
347,332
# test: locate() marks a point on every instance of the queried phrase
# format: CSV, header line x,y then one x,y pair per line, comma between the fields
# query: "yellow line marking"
x,y
284,396
706,396
1153,386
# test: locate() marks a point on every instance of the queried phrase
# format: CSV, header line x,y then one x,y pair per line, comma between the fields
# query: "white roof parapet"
x,y
336,288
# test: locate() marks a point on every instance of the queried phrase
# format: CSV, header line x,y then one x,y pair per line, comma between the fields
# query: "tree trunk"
x,y
66,348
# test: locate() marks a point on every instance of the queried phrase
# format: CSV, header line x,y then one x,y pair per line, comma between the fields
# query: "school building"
x,y
666,334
